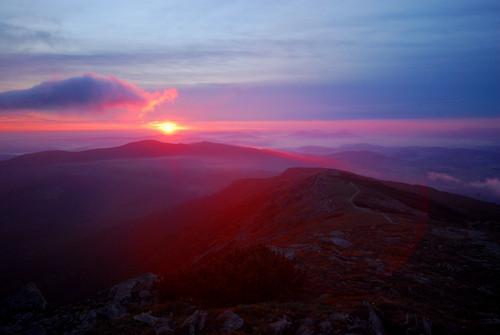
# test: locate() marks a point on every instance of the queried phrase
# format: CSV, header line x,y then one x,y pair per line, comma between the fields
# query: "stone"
x,y
122,293
306,328
87,322
36,330
28,298
159,324
280,326
340,242
325,327
338,316
374,321
195,323
231,321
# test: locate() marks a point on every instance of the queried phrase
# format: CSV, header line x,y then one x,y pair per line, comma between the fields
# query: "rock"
x,y
306,328
145,318
418,324
288,253
427,325
163,329
326,327
231,321
87,321
36,330
28,298
340,242
339,317
374,321
160,325
139,287
195,323
112,311
280,326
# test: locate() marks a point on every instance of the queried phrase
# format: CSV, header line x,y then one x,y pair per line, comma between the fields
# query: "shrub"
x,y
236,276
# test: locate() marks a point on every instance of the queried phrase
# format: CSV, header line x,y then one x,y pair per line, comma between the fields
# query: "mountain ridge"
x,y
148,149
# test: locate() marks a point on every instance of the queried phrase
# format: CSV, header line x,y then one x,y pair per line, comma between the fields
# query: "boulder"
x,y
280,326
112,311
27,299
160,325
230,321
195,323
325,327
306,327
374,321
339,316
87,321
138,289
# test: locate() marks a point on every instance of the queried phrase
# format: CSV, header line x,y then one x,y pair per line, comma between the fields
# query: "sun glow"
x,y
167,127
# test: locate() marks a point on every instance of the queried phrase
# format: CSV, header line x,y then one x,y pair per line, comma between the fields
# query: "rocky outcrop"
x,y
24,311
27,299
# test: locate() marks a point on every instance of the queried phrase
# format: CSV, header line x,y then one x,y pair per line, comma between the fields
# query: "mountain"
x,y
411,250
286,208
473,171
52,201
148,149
379,257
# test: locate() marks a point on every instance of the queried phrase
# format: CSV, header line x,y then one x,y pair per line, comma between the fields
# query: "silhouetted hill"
x,y
147,149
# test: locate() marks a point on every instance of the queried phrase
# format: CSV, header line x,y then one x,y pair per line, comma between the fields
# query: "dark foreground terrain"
x,y
321,251
56,205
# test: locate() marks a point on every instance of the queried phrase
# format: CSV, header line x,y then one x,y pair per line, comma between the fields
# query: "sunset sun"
x,y
167,127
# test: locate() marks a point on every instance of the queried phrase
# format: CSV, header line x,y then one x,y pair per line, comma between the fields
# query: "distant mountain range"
x,y
149,149
473,172
469,171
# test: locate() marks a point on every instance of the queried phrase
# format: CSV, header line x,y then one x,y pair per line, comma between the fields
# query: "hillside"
x,y
379,257
51,203
411,250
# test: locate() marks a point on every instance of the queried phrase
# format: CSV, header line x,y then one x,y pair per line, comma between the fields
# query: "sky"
x,y
353,67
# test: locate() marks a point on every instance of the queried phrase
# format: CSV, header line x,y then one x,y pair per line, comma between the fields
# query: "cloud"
x,y
90,92
15,38
439,176
490,184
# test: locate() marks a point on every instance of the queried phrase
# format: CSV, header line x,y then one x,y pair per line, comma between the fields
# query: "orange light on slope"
x,y
167,127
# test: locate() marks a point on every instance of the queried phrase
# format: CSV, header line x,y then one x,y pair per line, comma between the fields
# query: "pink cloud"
x,y
88,92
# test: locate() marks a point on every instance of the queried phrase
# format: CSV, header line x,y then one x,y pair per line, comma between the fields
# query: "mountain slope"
x,y
410,249
377,255
52,201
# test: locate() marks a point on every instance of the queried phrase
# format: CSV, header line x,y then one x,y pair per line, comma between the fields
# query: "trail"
x,y
364,209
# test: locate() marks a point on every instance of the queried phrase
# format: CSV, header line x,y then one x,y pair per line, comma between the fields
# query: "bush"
x,y
236,276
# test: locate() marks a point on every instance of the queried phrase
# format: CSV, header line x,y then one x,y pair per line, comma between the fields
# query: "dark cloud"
x,y
88,91
17,38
